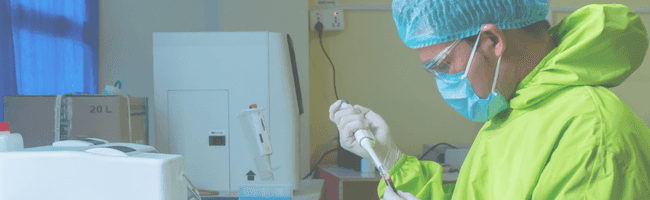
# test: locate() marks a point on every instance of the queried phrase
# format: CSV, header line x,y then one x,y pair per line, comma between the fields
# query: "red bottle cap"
x,y
4,126
252,106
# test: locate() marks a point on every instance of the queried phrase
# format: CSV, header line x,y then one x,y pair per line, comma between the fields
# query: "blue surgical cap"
x,y
422,23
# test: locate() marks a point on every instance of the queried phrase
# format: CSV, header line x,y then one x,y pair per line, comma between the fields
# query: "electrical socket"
x,y
332,19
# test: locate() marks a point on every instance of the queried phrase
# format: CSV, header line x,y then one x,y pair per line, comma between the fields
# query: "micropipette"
x,y
364,139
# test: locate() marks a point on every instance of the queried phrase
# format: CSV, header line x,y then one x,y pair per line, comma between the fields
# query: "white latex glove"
x,y
351,119
390,195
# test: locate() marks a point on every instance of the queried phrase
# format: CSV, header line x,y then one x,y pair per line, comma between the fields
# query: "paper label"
x,y
327,2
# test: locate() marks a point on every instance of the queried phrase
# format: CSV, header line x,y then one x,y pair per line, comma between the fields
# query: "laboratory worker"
x,y
554,129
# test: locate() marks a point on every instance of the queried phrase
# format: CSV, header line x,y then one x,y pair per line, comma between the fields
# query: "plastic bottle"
x,y
9,141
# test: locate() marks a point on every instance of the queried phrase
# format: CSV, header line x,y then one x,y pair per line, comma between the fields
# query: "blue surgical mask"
x,y
458,92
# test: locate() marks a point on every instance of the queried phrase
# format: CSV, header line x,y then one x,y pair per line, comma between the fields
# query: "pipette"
x,y
364,138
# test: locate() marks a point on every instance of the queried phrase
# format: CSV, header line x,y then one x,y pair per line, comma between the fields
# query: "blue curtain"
x,y
48,47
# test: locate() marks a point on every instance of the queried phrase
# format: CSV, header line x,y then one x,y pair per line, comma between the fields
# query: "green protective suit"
x,y
565,135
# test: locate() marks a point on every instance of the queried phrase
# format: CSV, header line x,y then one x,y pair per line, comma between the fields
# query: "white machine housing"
x,y
107,171
455,157
203,80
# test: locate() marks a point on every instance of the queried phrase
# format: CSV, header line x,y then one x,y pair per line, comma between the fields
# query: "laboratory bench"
x,y
310,189
341,183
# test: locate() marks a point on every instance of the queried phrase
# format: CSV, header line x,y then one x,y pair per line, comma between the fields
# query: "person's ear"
x,y
495,38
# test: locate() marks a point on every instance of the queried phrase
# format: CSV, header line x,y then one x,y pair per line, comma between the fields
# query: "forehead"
x,y
429,52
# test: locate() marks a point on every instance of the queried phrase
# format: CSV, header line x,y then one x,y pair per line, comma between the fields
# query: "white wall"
x,y
285,16
126,47
126,44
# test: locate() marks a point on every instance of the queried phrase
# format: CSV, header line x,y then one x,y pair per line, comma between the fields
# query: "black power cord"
x,y
319,29
433,147
323,153
321,158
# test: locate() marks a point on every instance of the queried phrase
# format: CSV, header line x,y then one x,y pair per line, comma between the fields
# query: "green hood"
x,y
596,46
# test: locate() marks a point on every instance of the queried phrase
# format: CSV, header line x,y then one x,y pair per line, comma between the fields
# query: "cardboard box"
x,y
96,116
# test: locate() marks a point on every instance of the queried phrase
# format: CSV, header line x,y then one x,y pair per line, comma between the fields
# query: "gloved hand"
x,y
351,119
390,195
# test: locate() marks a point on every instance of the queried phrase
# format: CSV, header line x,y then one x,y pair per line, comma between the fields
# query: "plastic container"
x,y
9,141
265,190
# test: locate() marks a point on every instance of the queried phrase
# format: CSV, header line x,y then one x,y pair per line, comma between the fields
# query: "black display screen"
x,y
217,140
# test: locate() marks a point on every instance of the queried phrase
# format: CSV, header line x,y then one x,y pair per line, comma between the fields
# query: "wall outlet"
x,y
331,19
